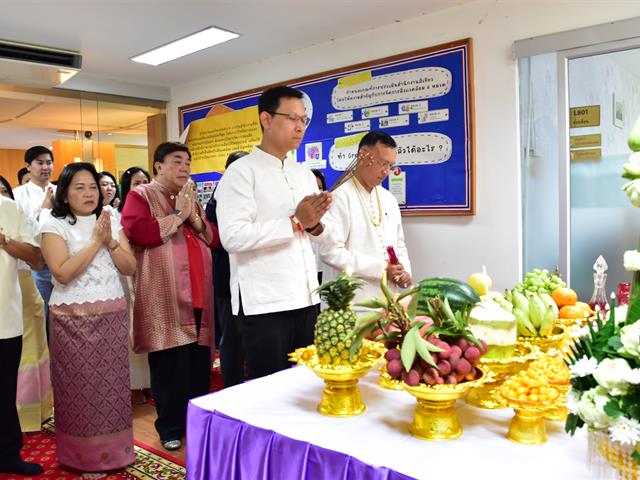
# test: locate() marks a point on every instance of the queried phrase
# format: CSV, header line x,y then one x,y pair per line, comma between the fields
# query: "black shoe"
x,y
19,467
171,444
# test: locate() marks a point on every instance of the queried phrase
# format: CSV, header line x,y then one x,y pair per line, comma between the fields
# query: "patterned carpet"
x,y
40,447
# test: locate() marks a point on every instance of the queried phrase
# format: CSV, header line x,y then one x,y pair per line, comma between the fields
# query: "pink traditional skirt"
x,y
90,374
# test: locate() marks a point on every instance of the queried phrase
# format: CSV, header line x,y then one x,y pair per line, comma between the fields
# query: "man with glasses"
x,y
366,227
269,210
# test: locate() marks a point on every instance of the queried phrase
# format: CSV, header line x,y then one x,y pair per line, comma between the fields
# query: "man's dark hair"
x,y
21,173
6,184
233,157
61,208
31,154
371,139
165,149
270,99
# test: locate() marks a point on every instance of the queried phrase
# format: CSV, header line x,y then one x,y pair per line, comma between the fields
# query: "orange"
x,y
585,307
564,296
573,311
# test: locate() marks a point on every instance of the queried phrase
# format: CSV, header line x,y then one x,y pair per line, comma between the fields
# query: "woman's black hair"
x,y
7,185
320,176
115,182
125,183
61,208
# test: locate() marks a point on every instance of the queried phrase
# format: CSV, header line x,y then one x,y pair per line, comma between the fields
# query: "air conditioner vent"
x,y
58,58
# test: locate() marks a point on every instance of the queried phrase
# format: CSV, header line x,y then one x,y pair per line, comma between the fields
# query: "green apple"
x,y
480,282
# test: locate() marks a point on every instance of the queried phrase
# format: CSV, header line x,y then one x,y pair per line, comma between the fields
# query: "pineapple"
x,y
336,323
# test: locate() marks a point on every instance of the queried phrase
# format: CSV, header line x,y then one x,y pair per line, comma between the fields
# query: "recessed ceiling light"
x,y
179,48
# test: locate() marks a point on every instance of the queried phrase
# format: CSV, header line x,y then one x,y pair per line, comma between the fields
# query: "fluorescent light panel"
x,y
185,46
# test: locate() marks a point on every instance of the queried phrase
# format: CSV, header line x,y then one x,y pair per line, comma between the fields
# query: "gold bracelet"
x,y
115,248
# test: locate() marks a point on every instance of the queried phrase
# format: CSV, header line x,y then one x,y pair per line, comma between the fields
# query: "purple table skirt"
x,y
223,448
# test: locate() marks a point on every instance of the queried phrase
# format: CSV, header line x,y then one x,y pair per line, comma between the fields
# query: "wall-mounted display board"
x,y
424,99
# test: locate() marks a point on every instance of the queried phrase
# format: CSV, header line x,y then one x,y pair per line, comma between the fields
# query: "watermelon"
x,y
460,294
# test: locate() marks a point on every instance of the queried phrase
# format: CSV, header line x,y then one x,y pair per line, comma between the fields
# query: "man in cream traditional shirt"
x,y
18,240
35,198
269,208
365,220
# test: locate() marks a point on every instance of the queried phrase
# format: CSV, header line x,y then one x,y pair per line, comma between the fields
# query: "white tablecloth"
x,y
286,403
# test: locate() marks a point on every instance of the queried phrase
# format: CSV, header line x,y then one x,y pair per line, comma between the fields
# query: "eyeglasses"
x,y
295,118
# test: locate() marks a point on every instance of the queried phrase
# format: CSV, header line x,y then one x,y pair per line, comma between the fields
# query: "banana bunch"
x,y
536,313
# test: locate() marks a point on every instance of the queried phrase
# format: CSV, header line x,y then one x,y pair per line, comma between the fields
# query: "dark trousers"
x,y
231,353
10,433
178,374
269,338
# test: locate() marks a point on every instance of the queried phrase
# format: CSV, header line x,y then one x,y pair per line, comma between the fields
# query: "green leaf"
x,y
387,293
412,309
423,349
573,422
612,408
636,455
355,344
406,293
372,303
408,349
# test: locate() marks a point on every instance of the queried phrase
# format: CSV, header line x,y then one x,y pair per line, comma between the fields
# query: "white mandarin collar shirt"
x,y
361,233
29,198
272,268
14,225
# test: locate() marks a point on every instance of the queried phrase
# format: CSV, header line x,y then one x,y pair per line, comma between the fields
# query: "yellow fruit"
x,y
564,296
572,311
480,282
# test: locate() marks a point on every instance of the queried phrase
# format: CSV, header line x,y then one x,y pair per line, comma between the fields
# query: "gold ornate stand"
x,y
560,412
545,344
487,395
436,417
341,395
527,426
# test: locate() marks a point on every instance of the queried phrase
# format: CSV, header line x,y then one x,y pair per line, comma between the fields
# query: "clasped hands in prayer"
x,y
102,231
312,208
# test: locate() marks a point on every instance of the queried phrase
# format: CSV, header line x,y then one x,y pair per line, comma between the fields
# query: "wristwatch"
x,y
177,213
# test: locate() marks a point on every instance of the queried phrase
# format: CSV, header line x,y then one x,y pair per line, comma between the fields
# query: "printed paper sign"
x,y
337,117
359,126
413,107
313,155
441,115
414,84
397,121
398,185
374,112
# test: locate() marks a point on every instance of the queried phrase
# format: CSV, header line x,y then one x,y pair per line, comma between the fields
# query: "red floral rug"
x,y
150,464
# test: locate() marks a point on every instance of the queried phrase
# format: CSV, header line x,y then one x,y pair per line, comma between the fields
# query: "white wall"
x,y
447,246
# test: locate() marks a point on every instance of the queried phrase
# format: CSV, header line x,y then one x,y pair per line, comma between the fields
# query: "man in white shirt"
x,y
35,199
18,240
269,208
365,221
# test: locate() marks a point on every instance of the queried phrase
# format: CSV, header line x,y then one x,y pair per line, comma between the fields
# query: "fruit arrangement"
x,y
570,307
441,352
536,313
540,281
333,344
528,387
551,367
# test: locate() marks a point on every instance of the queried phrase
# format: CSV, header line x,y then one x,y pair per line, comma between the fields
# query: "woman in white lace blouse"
x,y
86,250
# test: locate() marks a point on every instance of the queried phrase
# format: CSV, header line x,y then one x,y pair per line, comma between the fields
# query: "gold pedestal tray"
x,y
560,412
340,395
387,381
546,344
436,417
527,426
487,395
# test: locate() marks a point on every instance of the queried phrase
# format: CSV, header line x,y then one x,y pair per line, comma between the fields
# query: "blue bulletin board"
x,y
424,99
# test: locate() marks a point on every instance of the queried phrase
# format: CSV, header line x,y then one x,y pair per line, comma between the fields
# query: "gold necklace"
x,y
379,222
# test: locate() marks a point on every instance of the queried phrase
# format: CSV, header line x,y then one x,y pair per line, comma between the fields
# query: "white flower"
x,y
634,158
577,332
631,260
631,169
573,398
633,376
621,313
632,189
591,408
583,367
625,431
612,373
630,338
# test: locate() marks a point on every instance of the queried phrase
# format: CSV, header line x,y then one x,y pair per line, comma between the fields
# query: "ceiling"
x,y
108,33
